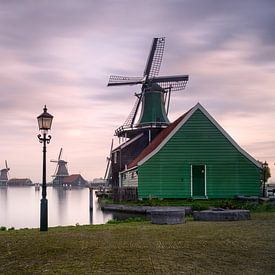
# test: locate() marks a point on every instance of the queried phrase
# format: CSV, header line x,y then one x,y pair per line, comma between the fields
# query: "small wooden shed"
x,y
193,158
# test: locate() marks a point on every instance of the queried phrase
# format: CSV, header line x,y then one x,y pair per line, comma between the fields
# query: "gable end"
x,y
183,120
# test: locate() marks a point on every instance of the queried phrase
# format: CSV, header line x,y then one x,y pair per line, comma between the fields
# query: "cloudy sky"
x,y
61,53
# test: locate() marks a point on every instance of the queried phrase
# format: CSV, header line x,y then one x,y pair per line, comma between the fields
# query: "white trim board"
x,y
130,141
191,181
198,106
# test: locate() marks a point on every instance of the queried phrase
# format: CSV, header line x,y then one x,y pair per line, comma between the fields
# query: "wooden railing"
x,y
125,194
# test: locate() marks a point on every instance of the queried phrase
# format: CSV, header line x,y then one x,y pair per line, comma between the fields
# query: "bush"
x,y
3,228
198,206
230,204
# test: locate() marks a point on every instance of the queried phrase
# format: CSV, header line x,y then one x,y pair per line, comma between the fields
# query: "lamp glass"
x,y
44,123
45,120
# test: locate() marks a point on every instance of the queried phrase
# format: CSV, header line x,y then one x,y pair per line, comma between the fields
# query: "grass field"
x,y
244,247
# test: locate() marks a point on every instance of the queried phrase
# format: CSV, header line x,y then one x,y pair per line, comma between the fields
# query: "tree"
x,y
265,175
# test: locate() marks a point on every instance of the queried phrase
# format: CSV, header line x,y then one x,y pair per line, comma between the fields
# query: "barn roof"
x,y
71,178
16,181
165,135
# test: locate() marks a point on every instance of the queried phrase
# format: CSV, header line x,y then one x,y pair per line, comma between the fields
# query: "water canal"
x,y
20,207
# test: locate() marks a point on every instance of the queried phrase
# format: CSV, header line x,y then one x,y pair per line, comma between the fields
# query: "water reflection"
x,y
20,207
96,215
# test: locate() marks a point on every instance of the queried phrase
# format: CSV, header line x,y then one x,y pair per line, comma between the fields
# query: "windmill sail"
x,y
116,80
155,57
175,83
60,154
108,168
129,122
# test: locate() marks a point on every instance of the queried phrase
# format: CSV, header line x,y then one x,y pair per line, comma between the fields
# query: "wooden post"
x,y
91,197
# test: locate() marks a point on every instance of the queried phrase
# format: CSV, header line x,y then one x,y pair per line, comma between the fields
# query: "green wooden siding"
x,y
167,174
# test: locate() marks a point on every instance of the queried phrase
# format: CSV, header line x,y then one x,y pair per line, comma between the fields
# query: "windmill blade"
x,y
155,57
55,171
107,171
52,160
60,154
8,169
131,118
160,79
173,83
167,101
111,148
116,80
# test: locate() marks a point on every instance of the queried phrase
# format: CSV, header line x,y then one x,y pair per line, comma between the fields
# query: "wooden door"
x,y
198,180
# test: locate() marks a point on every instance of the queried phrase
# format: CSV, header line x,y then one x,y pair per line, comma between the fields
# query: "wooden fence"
x,y
125,194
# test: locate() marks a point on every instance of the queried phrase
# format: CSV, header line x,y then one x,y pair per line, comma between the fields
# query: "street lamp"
x,y
265,166
44,124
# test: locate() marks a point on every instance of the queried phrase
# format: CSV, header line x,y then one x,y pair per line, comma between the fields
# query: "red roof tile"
x,y
71,178
157,141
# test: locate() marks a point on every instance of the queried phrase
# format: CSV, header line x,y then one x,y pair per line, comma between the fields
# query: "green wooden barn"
x,y
193,158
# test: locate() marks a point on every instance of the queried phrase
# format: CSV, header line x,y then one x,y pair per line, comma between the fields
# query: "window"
x,y
115,157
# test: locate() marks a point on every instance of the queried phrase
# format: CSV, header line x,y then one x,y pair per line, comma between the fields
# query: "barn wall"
x,y
125,155
129,179
168,173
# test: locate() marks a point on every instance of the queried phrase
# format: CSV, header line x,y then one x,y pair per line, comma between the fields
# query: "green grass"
x,y
244,247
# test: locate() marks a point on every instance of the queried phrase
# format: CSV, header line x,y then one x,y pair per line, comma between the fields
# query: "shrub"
x,y
153,202
230,204
198,206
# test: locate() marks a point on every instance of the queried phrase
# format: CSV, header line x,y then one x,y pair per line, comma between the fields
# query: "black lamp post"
x,y
44,123
265,166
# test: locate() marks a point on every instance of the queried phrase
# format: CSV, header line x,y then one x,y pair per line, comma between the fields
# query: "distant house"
x,y
193,158
19,182
75,180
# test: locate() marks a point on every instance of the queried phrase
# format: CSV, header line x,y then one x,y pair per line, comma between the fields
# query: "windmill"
x,y
154,98
4,175
61,170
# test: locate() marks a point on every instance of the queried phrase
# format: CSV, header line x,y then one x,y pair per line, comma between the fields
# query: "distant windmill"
x,y
155,93
61,170
4,175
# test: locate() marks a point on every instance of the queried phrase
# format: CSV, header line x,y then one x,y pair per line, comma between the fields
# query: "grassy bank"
x,y
201,204
245,247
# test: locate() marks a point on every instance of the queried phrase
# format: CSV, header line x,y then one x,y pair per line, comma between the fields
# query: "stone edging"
x,y
143,209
